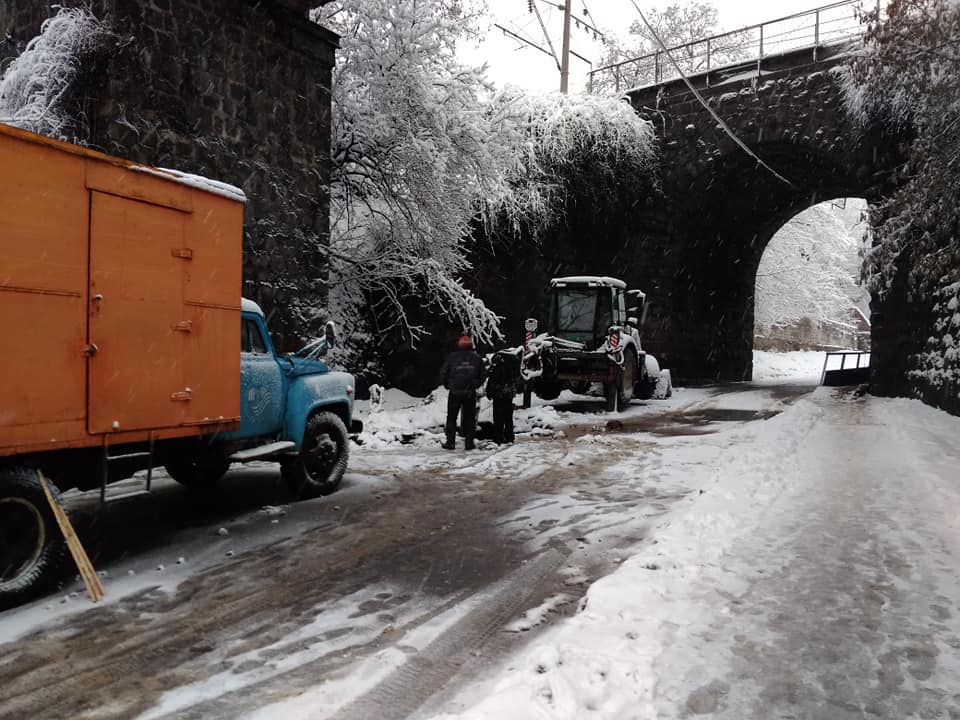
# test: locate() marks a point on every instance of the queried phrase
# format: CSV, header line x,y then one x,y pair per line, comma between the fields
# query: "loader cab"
x,y
582,309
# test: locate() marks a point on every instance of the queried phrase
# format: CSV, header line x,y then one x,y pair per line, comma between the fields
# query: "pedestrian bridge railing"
x,y
831,24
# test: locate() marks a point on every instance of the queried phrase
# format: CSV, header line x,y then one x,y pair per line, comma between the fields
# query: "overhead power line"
x,y
703,102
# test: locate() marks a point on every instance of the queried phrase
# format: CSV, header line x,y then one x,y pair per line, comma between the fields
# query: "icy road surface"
x,y
746,552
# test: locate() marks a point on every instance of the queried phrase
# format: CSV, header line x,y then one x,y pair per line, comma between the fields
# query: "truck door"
x,y
261,383
135,379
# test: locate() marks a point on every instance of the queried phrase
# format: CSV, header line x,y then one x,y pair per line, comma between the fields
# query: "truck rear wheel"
x,y
319,467
32,548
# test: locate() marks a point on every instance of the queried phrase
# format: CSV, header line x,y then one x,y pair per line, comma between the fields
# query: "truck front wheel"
x,y
32,548
319,467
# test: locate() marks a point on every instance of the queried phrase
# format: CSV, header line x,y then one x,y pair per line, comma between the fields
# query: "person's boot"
x,y
449,444
468,444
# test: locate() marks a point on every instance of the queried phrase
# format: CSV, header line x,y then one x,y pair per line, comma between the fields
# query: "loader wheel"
x,y
620,392
647,387
32,549
319,467
547,390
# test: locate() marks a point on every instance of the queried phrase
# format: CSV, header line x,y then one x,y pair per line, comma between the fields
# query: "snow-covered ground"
x,y
746,551
800,365
814,577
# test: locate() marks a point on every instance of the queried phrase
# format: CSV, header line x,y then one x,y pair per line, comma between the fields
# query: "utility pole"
x,y
565,52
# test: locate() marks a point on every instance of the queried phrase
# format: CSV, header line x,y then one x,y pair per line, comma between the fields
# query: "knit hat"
x,y
465,341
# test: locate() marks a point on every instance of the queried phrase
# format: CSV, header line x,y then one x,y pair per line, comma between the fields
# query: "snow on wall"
x,y
938,365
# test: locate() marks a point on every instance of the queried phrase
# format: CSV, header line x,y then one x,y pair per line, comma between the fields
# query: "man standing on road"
x,y
462,374
503,383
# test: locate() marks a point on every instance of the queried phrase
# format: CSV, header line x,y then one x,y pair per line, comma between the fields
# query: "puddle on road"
x,y
695,422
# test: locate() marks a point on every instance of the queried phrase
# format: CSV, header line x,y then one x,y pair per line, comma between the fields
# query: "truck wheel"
x,y
197,472
319,467
32,548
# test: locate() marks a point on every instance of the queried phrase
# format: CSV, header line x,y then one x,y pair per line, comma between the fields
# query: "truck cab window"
x,y
251,341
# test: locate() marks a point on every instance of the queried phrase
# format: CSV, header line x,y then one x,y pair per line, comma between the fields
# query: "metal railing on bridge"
x,y
847,367
827,25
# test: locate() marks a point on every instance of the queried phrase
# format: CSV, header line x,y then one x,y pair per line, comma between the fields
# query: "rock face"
x,y
235,90
696,251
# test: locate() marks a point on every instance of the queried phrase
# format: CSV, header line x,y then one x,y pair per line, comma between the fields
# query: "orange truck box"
x,y
119,299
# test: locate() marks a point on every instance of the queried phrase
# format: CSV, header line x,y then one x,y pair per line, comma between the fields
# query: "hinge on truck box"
x,y
186,394
183,326
185,253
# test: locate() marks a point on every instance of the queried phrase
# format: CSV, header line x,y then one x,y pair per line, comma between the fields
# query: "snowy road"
x,y
851,602
748,551
819,581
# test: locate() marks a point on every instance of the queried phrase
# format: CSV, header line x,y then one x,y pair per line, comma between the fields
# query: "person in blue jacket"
x,y
462,375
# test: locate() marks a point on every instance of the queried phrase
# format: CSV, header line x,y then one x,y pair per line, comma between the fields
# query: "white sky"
x,y
510,61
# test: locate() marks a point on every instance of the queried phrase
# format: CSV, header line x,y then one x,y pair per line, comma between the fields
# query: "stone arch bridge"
x,y
697,246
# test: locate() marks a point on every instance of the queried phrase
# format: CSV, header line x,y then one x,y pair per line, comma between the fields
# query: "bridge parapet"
x,y
814,31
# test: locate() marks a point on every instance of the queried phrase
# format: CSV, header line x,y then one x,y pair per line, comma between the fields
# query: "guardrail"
x,y
826,25
856,372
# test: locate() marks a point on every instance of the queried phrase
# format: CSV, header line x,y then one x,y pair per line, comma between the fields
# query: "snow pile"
x,y
393,417
795,365
35,85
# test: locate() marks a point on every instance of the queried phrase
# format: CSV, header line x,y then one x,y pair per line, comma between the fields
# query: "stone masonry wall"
x,y
235,90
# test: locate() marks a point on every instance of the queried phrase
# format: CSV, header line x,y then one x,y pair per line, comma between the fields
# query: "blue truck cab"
x,y
293,409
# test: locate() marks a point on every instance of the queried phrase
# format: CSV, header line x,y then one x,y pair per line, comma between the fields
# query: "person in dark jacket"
x,y
503,383
462,373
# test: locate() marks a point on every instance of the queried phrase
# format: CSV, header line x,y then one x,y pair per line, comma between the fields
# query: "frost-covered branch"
x,y
36,85
424,152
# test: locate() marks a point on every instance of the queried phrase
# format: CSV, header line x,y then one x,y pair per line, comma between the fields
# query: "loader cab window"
x,y
251,341
574,310
619,308
604,311
581,313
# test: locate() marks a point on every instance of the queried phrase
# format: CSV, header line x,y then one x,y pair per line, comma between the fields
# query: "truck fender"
x,y
309,393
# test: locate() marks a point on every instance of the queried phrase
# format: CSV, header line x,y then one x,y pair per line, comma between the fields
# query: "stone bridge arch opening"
x,y
808,294
706,289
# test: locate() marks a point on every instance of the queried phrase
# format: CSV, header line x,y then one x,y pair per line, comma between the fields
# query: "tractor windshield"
x,y
580,313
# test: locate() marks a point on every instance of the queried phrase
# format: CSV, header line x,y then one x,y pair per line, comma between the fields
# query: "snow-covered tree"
x,y
37,87
908,81
811,267
425,152
681,25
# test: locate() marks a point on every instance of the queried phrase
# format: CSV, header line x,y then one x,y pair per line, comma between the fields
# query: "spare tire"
x,y
33,551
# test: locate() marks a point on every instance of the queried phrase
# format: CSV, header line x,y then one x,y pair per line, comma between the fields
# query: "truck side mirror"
x,y
330,334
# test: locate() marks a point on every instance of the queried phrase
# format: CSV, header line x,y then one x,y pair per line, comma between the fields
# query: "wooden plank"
x,y
89,575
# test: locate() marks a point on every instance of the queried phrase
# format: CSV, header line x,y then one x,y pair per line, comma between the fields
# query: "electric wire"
x,y
703,102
